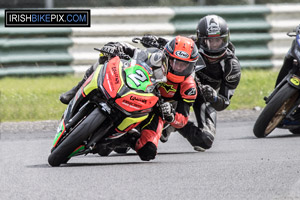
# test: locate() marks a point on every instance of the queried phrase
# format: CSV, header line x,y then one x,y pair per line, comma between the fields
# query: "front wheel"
x,y
275,111
61,154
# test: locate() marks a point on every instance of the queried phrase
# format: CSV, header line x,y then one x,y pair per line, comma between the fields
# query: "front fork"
x,y
294,81
66,124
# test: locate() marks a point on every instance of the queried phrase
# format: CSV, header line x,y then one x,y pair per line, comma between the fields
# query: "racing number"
x,y
137,77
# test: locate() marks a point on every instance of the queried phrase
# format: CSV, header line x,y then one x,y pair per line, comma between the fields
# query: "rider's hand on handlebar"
x,y
168,112
149,41
113,48
209,93
162,41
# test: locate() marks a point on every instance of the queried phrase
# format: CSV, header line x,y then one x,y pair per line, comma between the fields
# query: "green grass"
x,y
254,85
30,99
36,98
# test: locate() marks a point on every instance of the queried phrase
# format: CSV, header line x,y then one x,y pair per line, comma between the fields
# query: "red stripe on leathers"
x,y
150,136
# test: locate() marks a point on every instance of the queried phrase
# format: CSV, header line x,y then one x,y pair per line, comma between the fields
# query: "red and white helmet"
x,y
182,54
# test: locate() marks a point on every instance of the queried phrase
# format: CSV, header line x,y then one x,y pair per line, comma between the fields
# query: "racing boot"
x,y
209,130
66,97
130,139
200,138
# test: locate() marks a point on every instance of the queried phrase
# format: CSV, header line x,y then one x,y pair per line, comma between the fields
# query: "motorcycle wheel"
x,y
83,130
275,111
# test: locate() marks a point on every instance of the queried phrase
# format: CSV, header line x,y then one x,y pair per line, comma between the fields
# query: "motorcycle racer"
x,y
218,79
179,92
180,55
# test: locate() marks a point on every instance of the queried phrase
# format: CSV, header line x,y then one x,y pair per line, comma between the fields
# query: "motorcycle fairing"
x,y
294,81
134,101
113,80
80,148
127,123
91,83
59,132
138,78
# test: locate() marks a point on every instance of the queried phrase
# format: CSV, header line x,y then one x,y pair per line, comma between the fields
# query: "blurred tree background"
x,y
130,3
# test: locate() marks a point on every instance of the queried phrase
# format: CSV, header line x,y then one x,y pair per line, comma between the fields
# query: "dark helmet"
x,y
182,54
212,36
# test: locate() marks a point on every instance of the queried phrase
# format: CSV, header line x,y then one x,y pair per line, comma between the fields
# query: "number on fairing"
x,y
137,77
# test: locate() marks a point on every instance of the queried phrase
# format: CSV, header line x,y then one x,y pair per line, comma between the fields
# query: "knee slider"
x,y
207,140
202,139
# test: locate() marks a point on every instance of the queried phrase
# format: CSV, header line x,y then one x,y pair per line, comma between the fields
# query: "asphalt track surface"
x,y
238,166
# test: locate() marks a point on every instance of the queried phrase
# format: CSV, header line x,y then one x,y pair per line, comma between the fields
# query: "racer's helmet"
x,y
212,37
182,54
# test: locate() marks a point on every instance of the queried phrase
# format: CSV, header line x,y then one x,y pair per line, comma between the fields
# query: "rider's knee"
x,y
147,152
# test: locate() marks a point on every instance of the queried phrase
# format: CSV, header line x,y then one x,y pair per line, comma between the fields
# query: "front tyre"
x,y
275,111
87,126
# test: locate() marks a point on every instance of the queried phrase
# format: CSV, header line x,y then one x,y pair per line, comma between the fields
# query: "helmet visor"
x,y
214,44
181,68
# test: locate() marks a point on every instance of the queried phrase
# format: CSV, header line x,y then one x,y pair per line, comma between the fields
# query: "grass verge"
x,y
254,85
36,98
33,98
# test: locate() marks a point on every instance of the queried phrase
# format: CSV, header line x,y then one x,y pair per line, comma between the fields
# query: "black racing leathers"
x,y
224,77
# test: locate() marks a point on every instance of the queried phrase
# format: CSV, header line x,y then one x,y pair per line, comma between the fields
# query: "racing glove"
x,y
209,93
149,41
112,48
168,112
153,41
117,48
162,42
